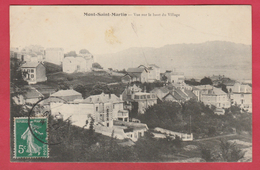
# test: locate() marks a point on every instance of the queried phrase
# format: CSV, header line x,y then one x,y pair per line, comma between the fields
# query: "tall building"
x,y
54,55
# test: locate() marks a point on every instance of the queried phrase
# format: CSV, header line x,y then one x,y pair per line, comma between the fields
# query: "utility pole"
x,y
190,124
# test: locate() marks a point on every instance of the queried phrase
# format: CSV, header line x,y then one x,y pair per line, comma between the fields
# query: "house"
x,y
153,72
67,95
138,74
137,100
241,95
33,72
103,108
144,100
126,79
175,77
123,130
210,95
88,57
54,55
132,130
80,63
30,97
107,112
114,103
171,93
73,64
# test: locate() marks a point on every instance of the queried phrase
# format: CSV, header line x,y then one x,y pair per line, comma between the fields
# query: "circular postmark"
x,y
46,111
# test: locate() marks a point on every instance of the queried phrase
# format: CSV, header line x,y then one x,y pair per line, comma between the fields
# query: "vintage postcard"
x,y
131,83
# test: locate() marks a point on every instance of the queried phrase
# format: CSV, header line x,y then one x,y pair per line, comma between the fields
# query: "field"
x,y
88,78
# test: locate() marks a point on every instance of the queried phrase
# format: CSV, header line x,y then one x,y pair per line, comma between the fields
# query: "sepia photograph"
x,y
104,83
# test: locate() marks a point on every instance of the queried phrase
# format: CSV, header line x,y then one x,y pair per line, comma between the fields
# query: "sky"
x,y
67,27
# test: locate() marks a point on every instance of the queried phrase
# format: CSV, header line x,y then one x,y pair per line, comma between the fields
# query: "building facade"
x,y
138,74
175,77
54,55
210,95
153,72
33,72
241,95
80,63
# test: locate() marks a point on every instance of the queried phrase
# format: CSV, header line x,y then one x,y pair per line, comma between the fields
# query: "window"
x,y
107,114
136,97
242,95
32,70
28,70
32,76
102,117
96,108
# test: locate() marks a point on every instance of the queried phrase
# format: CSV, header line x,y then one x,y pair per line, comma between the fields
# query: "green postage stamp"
x,y
31,137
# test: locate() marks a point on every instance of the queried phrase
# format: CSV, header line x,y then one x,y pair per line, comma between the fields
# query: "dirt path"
x,y
215,137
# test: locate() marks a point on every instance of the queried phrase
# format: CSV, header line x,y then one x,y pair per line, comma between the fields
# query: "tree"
x,y
84,51
16,77
71,54
147,148
206,154
205,81
212,131
99,88
163,115
192,82
223,87
63,86
97,65
81,89
230,152
164,78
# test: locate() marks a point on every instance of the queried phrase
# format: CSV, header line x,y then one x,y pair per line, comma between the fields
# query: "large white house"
x,y
107,112
33,72
153,72
81,63
241,95
54,55
210,95
103,108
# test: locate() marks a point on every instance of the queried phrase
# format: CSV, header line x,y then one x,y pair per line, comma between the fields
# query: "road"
x,y
215,137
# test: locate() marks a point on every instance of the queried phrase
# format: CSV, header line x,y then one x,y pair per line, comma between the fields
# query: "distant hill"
x,y
195,60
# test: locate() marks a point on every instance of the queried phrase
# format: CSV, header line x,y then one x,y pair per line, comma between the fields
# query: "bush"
x,y
69,78
206,154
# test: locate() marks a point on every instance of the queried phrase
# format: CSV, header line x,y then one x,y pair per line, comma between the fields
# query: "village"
x,y
127,104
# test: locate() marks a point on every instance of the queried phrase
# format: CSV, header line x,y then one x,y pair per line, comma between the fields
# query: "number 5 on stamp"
x,y
31,142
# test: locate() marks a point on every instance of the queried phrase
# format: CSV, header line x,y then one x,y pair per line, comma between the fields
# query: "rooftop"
x,y
130,124
153,65
30,65
32,93
65,93
101,98
135,70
